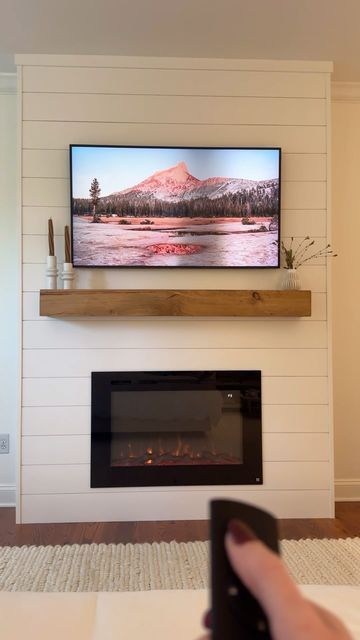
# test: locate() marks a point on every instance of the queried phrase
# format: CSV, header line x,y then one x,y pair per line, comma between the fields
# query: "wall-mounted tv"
x,y
135,206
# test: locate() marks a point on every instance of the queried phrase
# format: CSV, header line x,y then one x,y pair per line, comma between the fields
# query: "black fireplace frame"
x,y
102,474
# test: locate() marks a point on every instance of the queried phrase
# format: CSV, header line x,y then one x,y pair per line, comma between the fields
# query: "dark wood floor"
x,y
345,524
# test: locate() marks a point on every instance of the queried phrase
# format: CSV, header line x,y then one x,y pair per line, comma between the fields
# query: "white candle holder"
x,y
51,272
68,275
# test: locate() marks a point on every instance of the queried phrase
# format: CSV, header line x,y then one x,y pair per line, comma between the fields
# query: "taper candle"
x,y
51,237
67,245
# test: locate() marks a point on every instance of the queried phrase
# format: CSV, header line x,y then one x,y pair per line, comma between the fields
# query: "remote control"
x,y
235,612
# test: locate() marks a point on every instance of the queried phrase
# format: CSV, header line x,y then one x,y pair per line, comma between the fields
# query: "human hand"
x,y
290,615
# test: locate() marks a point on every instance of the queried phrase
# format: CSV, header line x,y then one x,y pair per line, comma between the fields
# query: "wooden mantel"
x,y
168,302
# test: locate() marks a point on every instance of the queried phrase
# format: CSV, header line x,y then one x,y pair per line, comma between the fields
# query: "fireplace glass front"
x,y
163,428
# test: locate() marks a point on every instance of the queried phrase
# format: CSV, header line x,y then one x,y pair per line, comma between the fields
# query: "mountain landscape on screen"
x,y
175,191
174,207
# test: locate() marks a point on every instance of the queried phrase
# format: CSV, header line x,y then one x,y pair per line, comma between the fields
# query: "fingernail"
x,y
239,532
207,620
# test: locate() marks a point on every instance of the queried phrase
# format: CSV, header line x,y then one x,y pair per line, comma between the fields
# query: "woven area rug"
x,y
141,567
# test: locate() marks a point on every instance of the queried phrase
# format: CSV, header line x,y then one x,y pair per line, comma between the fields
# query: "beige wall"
x,y
346,299
9,286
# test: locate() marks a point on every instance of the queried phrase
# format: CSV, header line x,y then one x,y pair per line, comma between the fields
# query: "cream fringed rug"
x,y
141,567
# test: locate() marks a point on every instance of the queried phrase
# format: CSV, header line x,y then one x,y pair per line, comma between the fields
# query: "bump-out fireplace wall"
x,y
111,100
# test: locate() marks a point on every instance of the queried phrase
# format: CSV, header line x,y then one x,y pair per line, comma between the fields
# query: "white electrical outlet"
x,y
4,443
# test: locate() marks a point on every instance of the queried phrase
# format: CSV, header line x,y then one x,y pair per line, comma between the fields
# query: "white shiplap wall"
x,y
107,100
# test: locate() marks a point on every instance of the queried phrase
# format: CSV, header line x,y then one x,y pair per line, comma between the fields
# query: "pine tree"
x,y
94,197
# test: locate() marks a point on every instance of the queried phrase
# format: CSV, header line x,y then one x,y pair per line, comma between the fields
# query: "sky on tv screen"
x,y
118,168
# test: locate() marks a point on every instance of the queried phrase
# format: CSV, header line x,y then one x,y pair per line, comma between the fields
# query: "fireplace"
x,y
164,428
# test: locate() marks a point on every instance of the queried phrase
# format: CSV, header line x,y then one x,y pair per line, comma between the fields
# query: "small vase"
x,y
51,272
291,279
68,275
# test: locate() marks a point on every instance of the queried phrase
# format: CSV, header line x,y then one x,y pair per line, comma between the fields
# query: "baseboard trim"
x,y
347,490
7,495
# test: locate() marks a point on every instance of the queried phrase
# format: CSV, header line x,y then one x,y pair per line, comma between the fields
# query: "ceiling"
x,y
263,29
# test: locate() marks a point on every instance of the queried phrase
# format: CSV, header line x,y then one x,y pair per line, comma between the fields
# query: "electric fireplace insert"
x,y
164,428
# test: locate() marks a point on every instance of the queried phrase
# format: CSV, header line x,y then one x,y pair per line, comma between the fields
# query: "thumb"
x,y
263,573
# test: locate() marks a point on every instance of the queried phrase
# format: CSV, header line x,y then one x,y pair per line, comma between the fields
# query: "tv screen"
x,y
175,206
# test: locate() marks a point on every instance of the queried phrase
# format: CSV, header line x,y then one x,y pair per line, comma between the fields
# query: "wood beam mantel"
x,y
168,302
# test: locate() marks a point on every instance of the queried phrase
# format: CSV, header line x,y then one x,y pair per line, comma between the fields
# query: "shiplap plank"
x,y
308,222
49,450
59,478
46,163
170,504
57,392
35,219
295,418
75,420
161,333
172,82
58,135
75,478
297,475
75,449
35,247
61,421
54,163
31,309
295,390
294,446
79,362
173,109
294,222
303,166
46,192
303,195
55,192
30,306
312,277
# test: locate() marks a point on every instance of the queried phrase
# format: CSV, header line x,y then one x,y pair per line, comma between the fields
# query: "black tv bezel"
x,y
133,146
102,474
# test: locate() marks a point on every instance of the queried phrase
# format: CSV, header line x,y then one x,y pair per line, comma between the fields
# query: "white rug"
x,y
142,567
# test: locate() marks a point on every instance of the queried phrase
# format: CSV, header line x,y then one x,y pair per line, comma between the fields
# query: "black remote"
x,y
235,612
